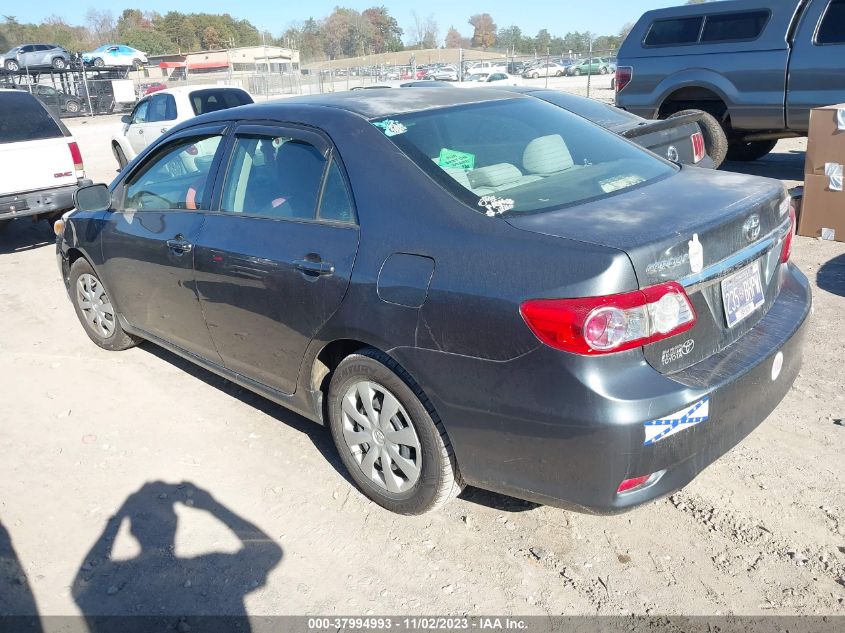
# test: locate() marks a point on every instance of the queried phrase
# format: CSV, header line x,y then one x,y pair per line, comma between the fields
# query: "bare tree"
x,y
101,24
424,31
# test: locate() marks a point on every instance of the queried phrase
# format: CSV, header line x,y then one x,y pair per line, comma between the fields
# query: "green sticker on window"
x,y
455,159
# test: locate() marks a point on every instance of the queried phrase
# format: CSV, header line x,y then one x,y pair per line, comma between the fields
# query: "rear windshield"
x,y
520,155
212,100
24,118
596,111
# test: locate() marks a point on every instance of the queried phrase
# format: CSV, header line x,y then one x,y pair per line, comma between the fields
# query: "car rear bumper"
x,y
40,202
566,431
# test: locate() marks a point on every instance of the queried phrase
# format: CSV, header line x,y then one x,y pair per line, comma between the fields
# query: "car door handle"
x,y
179,245
314,268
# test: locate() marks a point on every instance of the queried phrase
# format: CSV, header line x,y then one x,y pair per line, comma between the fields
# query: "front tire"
x,y
749,151
120,156
12,66
136,64
94,309
73,106
99,63
59,63
389,436
576,72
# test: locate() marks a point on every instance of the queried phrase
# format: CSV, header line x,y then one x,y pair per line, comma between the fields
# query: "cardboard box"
x,y
826,143
822,208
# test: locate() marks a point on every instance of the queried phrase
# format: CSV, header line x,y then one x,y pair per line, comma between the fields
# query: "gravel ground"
x,y
135,482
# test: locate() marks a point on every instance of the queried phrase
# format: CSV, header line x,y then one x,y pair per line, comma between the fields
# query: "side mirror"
x,y
92,198
127,119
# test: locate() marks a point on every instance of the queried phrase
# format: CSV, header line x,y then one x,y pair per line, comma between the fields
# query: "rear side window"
x,y
832,29
336,204
23,118
274,177
204,101
674,31
729,27
161,108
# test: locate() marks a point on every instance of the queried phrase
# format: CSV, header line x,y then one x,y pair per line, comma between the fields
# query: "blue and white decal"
x,y
660,429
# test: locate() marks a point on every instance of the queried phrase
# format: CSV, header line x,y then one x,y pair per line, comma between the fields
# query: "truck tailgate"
x,y
36,165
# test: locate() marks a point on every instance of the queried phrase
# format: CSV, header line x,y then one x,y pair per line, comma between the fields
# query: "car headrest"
x,y
547,155
494,175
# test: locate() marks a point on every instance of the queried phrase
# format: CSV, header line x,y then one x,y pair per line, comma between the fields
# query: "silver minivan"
x,y
36,56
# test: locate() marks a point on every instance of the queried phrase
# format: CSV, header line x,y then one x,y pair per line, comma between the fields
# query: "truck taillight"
x,y
698,149
613,323
77,159
624,74
786,249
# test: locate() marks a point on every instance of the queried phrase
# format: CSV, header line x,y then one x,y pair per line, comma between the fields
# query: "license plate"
x,y
742,293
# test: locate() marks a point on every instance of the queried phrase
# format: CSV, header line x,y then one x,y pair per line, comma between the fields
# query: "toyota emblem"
x,y
751,228
672,154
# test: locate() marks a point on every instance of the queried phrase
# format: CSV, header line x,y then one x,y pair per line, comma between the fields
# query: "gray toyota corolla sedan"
x,y
467,287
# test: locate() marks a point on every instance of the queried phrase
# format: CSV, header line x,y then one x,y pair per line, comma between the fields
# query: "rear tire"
x,y
422,470
748,151
715,139
576,72
94,309
99,63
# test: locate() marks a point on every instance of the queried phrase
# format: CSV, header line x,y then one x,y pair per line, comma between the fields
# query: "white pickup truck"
x,y
40,163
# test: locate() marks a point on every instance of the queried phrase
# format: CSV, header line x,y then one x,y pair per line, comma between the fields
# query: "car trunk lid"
x,y
697,228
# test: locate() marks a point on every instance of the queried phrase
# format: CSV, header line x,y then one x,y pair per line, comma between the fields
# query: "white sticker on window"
x,y
840,119
495,206
391,127
828,234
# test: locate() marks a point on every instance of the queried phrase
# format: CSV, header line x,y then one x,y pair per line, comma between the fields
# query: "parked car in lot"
x,y
115,55
35,57
490,79
56,100
153,115
39,159
555,314
150,88
757,67
444,73
545,69
678,138
593,66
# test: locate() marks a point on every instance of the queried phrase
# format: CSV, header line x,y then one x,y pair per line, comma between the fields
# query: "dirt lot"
x,y
125,478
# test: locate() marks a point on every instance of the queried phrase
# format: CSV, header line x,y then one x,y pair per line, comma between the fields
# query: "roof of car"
x,y
378,103
183,90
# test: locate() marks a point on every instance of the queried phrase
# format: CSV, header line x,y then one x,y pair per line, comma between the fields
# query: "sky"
x,y
602,17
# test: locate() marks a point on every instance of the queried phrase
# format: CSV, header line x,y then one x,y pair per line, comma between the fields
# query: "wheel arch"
x,y
694,93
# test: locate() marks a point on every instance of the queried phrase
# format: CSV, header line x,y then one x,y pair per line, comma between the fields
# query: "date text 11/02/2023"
x,y
417,623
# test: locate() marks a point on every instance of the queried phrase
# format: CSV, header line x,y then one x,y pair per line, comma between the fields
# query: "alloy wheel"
x,y
95,305
381,437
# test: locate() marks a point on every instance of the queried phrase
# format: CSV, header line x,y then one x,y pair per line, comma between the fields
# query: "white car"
x,y
115,55
156,113
39,159
445,73
496,79
545,69
486,67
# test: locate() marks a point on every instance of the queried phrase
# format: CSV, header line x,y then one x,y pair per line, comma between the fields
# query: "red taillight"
x,y
698,150
623,77
630,484
76,155
786,249
601,325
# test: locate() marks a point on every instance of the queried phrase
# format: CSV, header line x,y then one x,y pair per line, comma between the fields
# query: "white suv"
x,y
40,161
156,113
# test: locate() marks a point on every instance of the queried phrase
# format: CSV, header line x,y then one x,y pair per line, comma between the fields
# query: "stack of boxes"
x,y
823,206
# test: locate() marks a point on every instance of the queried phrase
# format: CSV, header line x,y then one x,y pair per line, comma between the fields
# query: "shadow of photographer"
x,y
17,604
157,582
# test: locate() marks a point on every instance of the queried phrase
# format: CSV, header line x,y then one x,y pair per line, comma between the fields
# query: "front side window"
x,y
520,155
161,108
174,177
674,31
729,27
140,113
273,177
832,28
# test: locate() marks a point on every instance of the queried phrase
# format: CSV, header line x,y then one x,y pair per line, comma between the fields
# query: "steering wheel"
x,y
141,194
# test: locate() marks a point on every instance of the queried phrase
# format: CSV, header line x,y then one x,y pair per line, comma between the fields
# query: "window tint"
x,y
162,108
212,100
676,31
174,177
832,29
336,203
23,118
734,26
140,113
273,177
520,155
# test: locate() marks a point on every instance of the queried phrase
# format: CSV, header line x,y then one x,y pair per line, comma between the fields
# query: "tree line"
x,y
343,33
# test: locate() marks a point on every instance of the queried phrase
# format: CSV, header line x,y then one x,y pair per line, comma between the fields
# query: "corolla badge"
x,y
751,228
696,254
672,154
